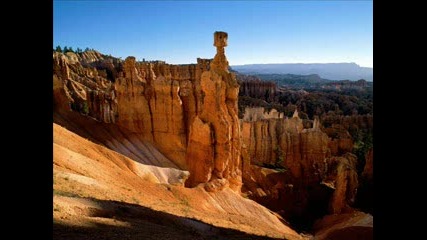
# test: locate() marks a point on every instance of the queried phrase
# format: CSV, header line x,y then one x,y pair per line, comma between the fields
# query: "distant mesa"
x,y
332,71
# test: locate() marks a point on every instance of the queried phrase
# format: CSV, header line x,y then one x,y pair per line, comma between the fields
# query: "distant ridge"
x,y
332,71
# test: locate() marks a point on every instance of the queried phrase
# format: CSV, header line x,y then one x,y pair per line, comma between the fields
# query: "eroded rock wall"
x,y
291,169
154,99
83,89
158,101
285,143
215,140
173,106
256,88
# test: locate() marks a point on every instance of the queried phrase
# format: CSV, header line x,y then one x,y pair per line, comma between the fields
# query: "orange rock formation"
x,y
215,132
172,106
307,179
185,117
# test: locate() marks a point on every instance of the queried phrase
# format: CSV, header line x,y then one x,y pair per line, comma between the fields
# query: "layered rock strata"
x,y
188,111
214,143
292,170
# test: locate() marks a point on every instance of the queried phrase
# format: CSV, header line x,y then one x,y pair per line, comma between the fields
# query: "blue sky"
x,y
179,32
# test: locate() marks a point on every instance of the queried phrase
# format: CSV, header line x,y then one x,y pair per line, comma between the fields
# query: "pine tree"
x,y
58,49
66,49
87,49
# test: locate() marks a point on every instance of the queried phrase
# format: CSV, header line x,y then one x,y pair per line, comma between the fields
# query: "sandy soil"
x,y
101,194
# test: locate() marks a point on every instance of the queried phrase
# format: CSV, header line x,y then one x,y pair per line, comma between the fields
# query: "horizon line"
x,y
299,63
92,49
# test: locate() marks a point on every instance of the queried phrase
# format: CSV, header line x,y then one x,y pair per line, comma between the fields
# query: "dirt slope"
x,y
115,138
97,190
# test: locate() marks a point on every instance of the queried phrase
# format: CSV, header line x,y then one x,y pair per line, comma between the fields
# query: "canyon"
x,y
166,141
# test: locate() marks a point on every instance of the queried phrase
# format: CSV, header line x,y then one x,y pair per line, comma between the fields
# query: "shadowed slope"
x,y
100,219
115,138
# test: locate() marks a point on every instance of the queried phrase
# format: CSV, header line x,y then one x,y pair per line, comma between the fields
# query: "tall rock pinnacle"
x,y
220,62
213,154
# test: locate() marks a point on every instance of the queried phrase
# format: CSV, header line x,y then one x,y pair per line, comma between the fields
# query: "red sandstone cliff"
x,y
256,88
214,143
306,178
285,143
171,106
341,141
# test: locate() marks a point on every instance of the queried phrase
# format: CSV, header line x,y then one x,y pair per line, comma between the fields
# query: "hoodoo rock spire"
x,y
213,154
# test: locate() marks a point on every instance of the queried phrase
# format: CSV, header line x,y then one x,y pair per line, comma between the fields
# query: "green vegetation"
x,y
280,158
70,49
346,103
279,163
296,81
311,95
81,107
85,108
58,49
362,143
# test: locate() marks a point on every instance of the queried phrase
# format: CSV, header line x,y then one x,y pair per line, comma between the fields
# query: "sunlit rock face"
x,y
188,111
215,143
